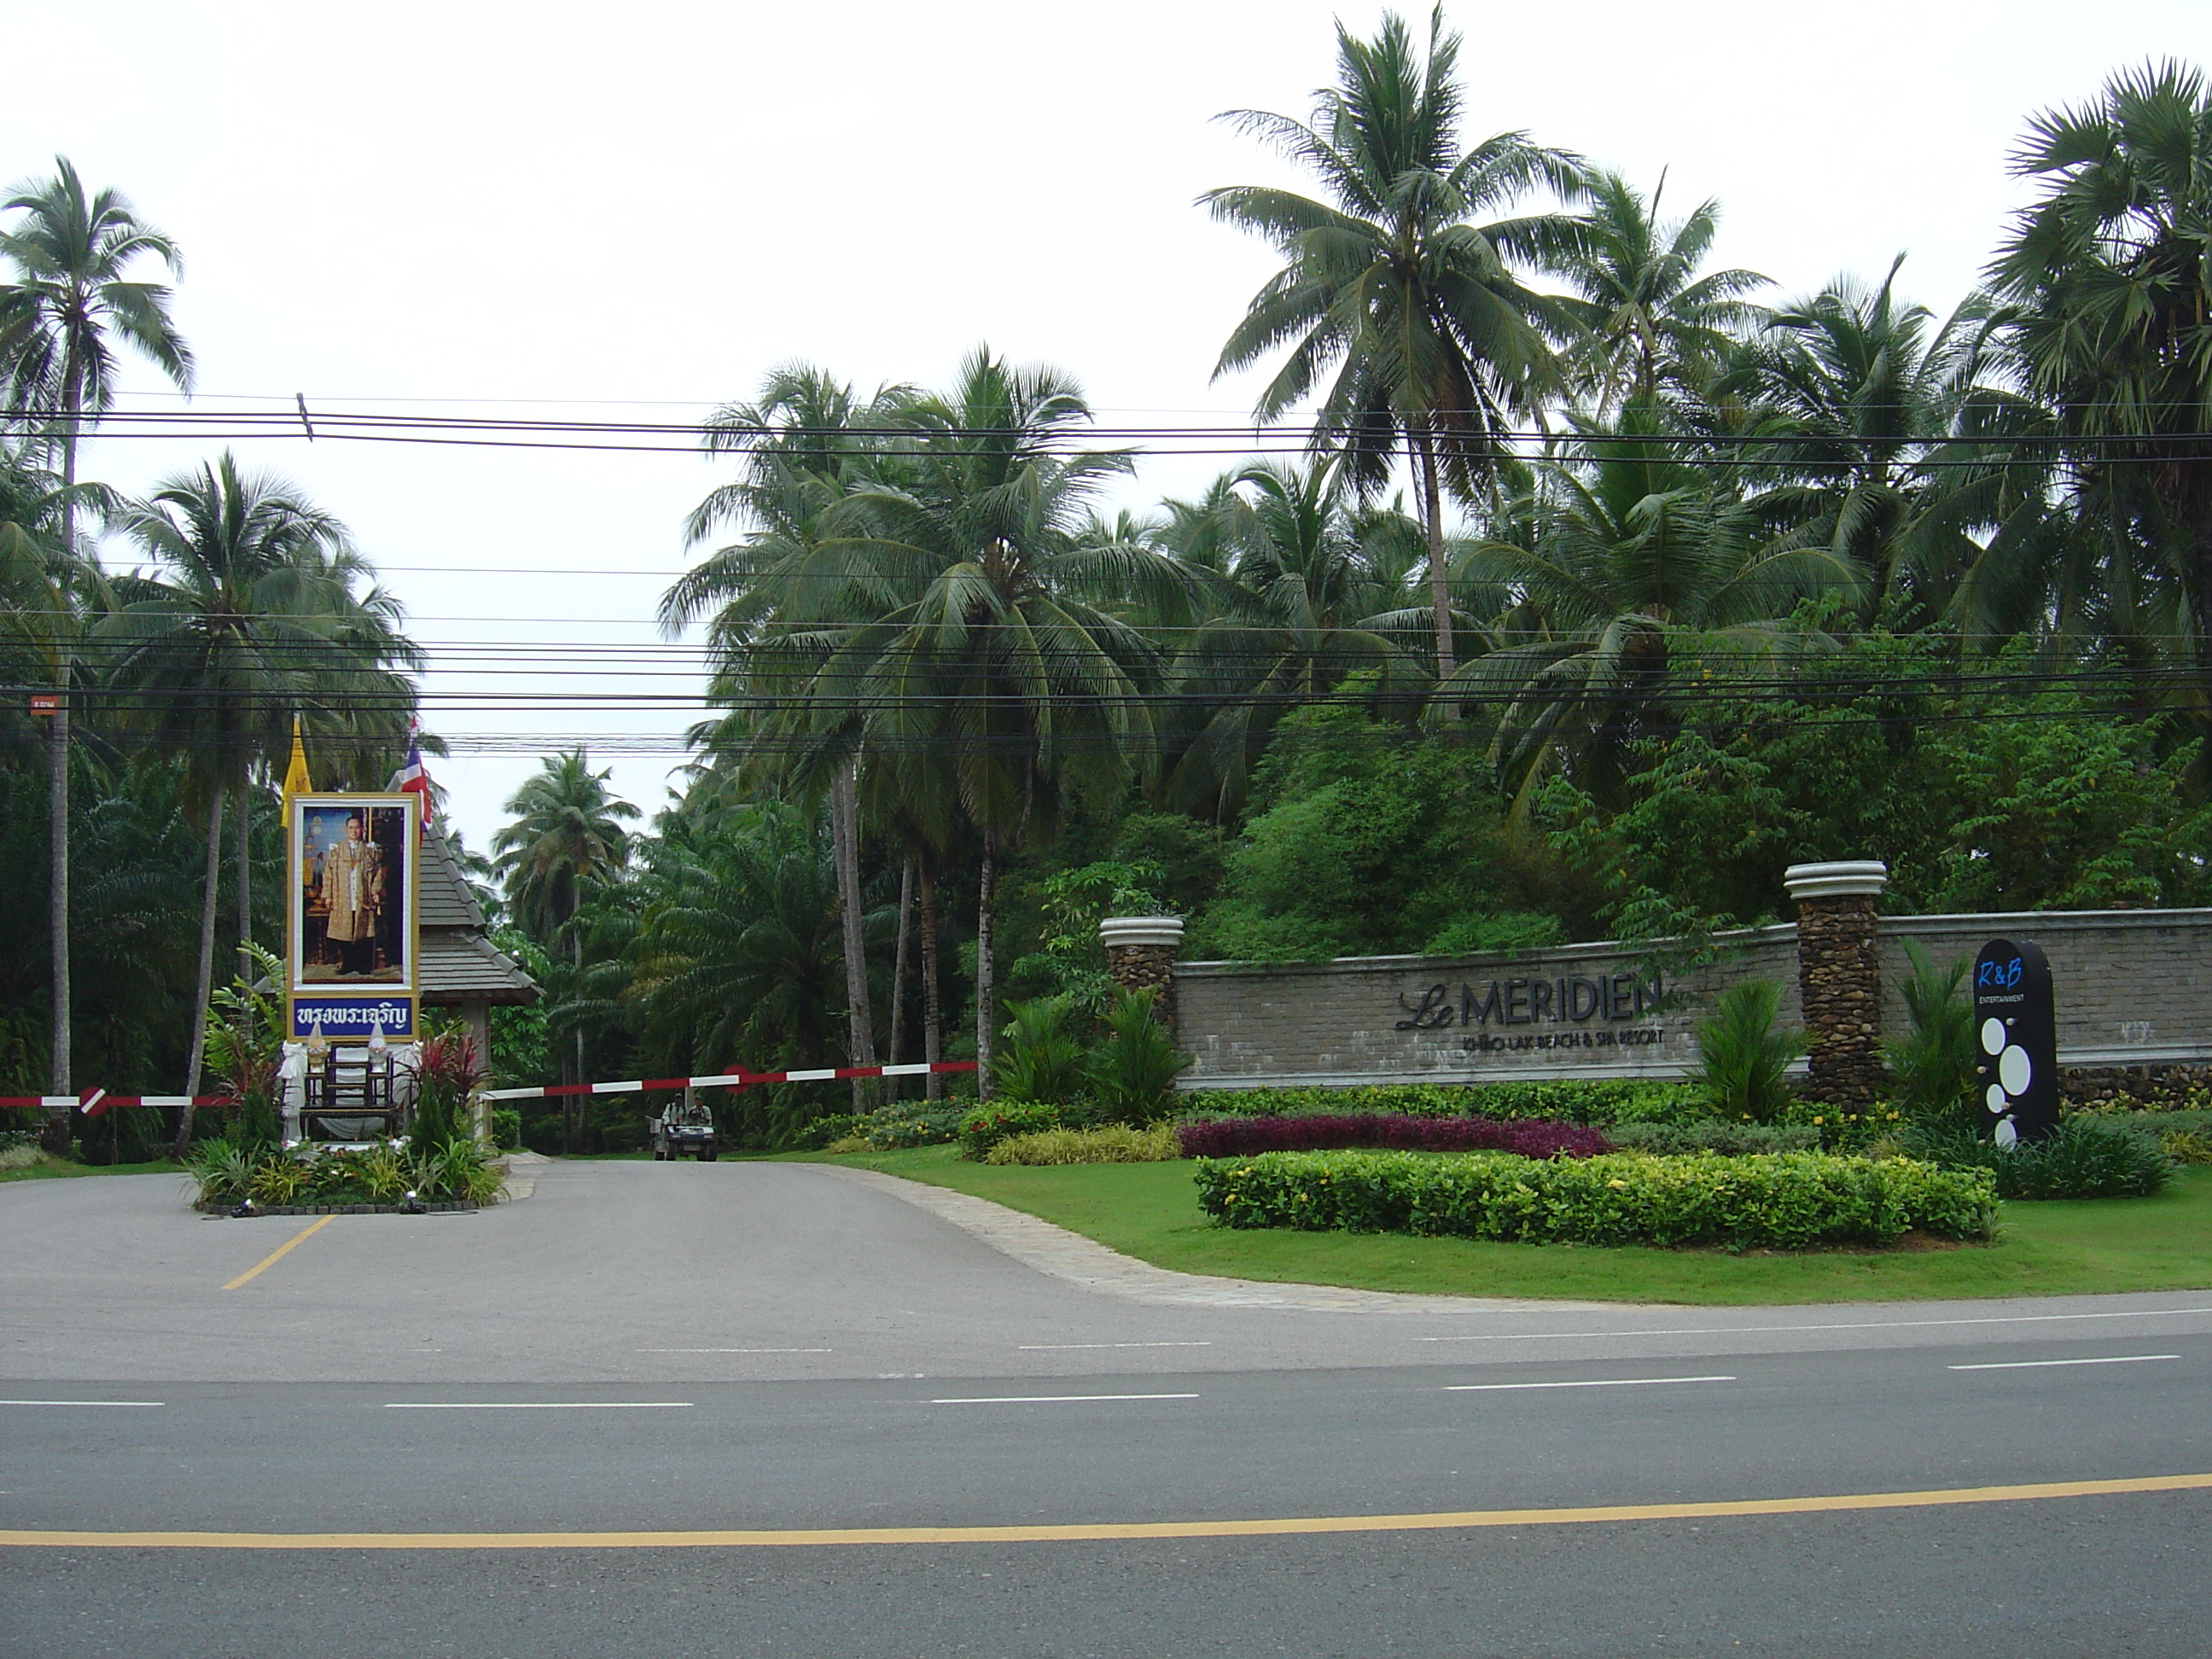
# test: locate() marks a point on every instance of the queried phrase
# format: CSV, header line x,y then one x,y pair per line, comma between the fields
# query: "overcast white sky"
x,y
637,209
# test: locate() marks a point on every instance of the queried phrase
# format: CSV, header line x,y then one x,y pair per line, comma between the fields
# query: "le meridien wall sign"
x,y
1571,1011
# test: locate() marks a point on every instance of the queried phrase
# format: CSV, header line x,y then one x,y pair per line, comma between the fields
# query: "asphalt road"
x,y
645,1350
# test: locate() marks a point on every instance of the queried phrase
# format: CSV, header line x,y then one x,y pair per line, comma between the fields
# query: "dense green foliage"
x,y
2084,1157
1783,1200
1611,584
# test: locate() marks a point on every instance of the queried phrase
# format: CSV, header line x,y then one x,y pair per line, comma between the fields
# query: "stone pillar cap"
x,y
1140,930
1848,878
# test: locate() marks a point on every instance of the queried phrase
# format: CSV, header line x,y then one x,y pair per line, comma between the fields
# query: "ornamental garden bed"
x,y
442,1207
1781,1201
2048,1248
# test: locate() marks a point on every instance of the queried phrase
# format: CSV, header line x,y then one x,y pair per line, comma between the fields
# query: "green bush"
x,y
1713,1135
1041,1060
2186,1146
813,1136
1783,1200
226,1174
1596,1100
2153,1125
982,1127
2086,1157
1112,1143
1933,1063
506,1128
1135,1066
889,1129
1743,1061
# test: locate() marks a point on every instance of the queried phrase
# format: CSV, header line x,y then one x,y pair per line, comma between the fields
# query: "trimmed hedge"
x,y
1783,1200
1596,1100
1238,1137
1114,1143
1713,1135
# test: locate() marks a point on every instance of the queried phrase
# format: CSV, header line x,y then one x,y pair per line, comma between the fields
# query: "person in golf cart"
x,y
684,1128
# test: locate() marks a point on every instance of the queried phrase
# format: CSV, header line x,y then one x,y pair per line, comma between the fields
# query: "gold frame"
x,y
409,990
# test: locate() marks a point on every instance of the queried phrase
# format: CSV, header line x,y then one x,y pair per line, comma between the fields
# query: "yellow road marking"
x,y
277,1254
1292,1526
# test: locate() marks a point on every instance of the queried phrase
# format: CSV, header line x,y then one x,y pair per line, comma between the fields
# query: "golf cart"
x,y
685,1129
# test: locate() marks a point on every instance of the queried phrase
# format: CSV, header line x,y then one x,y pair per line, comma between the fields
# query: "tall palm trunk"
x,y
205,981
845,835
901,956
1432,520
572,1110
987,913
245,877
932,1018
57,796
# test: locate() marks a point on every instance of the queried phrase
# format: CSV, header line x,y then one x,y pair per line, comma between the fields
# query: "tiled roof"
x,y
460,966
445,900
459,963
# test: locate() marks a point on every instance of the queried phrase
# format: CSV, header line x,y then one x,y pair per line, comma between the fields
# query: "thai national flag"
x,y
412,780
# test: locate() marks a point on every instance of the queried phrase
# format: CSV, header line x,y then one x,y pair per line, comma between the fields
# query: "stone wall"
x,y
2134,992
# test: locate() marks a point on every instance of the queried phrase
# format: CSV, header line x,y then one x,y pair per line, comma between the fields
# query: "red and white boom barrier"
x,y
728,1080
94,1102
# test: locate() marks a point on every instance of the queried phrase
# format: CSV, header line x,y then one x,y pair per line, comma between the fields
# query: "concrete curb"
x,y
1086,1261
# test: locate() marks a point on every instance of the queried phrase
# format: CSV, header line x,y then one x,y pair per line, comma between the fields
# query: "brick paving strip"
x,y
1086,1261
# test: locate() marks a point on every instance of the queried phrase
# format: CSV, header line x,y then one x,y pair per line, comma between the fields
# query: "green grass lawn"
x,y
1151,1211
60,1172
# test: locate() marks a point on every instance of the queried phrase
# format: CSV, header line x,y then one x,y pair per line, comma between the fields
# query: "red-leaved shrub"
x,y
1238,1137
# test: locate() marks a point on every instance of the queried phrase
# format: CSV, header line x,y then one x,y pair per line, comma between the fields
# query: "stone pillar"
x,y
1840,977
1140,955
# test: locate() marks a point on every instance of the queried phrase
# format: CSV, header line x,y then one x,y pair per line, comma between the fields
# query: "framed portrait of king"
x,y
351,956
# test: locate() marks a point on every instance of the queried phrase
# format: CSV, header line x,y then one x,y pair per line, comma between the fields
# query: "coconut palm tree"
x,y
1394,287
254,615
1648,321
999,657
47,587
567,834
1314,591
70,305
1643,565
2109,277
1855,389
778,595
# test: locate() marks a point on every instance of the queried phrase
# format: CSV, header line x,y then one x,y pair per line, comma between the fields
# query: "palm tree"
x,y
1648,321
69,299
46,588
776,591
997,657
254,616
2109,275
1435,343
738,941
1643,563
1313,592
566,836
1855,389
